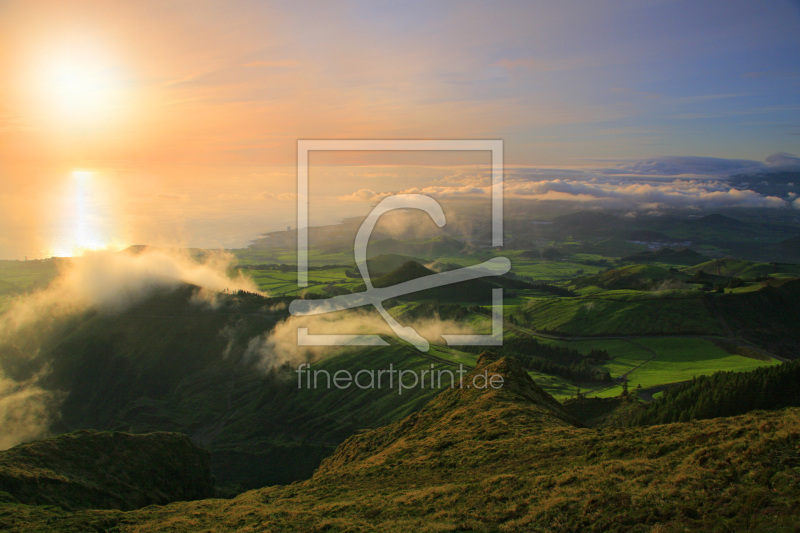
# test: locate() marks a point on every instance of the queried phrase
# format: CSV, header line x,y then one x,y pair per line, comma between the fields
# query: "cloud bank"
x,y
112,282
279,346
670,181
109,282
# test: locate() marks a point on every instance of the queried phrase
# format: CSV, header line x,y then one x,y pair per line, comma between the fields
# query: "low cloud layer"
x,y
26,411
673,181
683,166
280,345
109,282
112,282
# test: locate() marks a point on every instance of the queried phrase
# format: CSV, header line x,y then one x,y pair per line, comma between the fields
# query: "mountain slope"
x,y
433,248
473,291
457,417
628,277
168,364
509,460
683,256
91,469
767,317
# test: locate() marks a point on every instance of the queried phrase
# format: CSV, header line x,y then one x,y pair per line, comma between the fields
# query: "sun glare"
x,y
87,218
79,88
82,90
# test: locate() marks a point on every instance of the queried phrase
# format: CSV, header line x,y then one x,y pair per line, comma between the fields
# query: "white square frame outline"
x,y
304,146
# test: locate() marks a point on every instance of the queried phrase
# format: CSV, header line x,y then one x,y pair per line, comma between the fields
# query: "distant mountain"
x,y
587,223
682,256
380,265
101,470
718,221
473,291
745,238
406,272
792,244
730,267
645,235
629,277
788,250
613,246
434,248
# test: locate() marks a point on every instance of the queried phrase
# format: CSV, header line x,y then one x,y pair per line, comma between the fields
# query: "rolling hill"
x,y
434,248
767,317
474,291
733,268
682,256
629,277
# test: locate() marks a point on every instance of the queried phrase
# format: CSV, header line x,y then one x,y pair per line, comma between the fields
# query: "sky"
x,y
177,121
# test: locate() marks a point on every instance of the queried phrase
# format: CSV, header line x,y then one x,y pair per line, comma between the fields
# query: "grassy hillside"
x,y
730,267
433,248
682,256
508,459
170,365
90,469
723,394
600,315
628,277
380,265
767,317
25,275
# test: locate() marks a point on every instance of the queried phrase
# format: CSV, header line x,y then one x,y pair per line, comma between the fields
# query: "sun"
x,y
72,90
81,89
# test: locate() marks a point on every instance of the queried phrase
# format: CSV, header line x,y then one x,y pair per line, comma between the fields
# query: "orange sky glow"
x,y
171,122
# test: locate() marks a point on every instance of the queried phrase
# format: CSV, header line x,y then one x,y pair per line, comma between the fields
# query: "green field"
x,y
597,315
18,276
659,315
656,361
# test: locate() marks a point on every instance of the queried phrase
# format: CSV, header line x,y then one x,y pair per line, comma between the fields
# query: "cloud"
x,y
678,193
26,411
683,165
439,191
279,346
669,181
782,160
283,197
109,282
113,281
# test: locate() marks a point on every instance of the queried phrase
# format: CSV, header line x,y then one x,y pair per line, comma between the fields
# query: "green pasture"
x,y
597,315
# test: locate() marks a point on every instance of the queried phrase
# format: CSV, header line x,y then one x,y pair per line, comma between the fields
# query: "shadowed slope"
x,y
92,469
509,460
